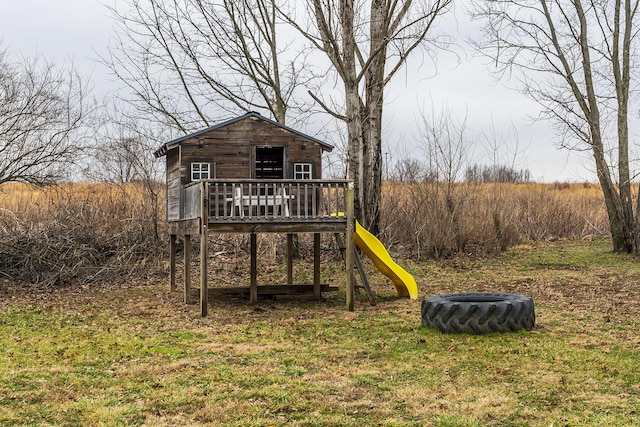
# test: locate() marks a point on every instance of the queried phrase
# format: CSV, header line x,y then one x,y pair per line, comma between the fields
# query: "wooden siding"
x,y
192,200
231,150
298,153
173,185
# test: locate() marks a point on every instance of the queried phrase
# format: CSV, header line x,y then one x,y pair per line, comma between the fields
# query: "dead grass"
x,y
96,232
136,355
429,220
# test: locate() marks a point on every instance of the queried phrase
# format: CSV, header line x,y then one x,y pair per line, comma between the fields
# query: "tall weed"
x,y
433,220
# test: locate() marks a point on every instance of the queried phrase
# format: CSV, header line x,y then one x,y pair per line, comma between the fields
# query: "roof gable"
x,y
174,143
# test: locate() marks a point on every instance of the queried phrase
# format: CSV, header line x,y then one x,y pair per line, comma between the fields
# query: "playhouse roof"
x,y
174,143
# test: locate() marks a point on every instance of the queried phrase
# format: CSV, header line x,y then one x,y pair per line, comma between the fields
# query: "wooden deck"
x,y
260,206
268,206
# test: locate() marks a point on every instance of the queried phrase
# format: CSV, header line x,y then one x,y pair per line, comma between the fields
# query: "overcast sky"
x,y
76,31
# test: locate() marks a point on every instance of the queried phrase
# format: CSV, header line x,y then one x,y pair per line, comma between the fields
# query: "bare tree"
x,y
186,62
367,43
446,148
576,59
125,151
43,113
124,158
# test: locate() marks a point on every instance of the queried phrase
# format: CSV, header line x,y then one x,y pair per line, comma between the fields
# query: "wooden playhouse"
x,y
253,175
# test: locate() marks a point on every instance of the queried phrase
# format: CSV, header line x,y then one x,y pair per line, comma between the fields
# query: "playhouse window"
x,y
269,163
302,170
200,171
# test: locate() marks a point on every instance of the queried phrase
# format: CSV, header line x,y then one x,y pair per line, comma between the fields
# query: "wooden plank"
x,y
187,269
249,226
172,263
363,278
182,228
350,248
289,259
173,185
359,266
253,293
272,290
192,201
316,266
204,249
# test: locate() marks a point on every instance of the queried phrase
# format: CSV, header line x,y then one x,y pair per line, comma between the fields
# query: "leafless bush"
x,y
428,220
76,234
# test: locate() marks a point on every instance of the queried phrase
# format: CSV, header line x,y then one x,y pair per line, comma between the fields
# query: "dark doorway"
x,y
269,163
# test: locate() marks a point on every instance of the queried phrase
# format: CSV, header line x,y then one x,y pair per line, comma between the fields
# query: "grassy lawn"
x,y
138,356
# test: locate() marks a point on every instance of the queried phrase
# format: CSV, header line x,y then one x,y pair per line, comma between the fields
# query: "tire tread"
x,y
478,313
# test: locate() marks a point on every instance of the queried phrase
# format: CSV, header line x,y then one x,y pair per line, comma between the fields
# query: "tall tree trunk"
x,y
372,184
374,92
355,143
612,201
347,69
622,75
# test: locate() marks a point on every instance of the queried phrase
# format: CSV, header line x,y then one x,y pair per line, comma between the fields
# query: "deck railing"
x,y
266,200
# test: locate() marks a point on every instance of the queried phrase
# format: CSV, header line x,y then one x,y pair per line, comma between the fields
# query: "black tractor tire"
x,y
478,313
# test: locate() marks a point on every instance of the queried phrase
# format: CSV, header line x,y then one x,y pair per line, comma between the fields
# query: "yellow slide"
x,y
375,250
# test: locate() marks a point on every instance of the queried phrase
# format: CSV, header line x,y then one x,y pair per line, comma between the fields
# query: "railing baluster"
x,y
313,201
224,199
329,211
233,203
326,193
289,200
250,196
274,199
217,201
298,197
306,200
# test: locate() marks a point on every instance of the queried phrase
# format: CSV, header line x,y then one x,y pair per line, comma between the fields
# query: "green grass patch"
x,y
141,357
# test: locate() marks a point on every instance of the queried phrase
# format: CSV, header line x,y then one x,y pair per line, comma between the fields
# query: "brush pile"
x,y
84,233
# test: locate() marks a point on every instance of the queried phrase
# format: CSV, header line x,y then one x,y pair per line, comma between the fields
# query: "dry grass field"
x,y
77,233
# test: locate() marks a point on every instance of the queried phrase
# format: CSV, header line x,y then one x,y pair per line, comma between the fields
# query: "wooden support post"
x,y
363,277
289,259
253,289
172,263
316,266
204,249
349,244
187,269
360,267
